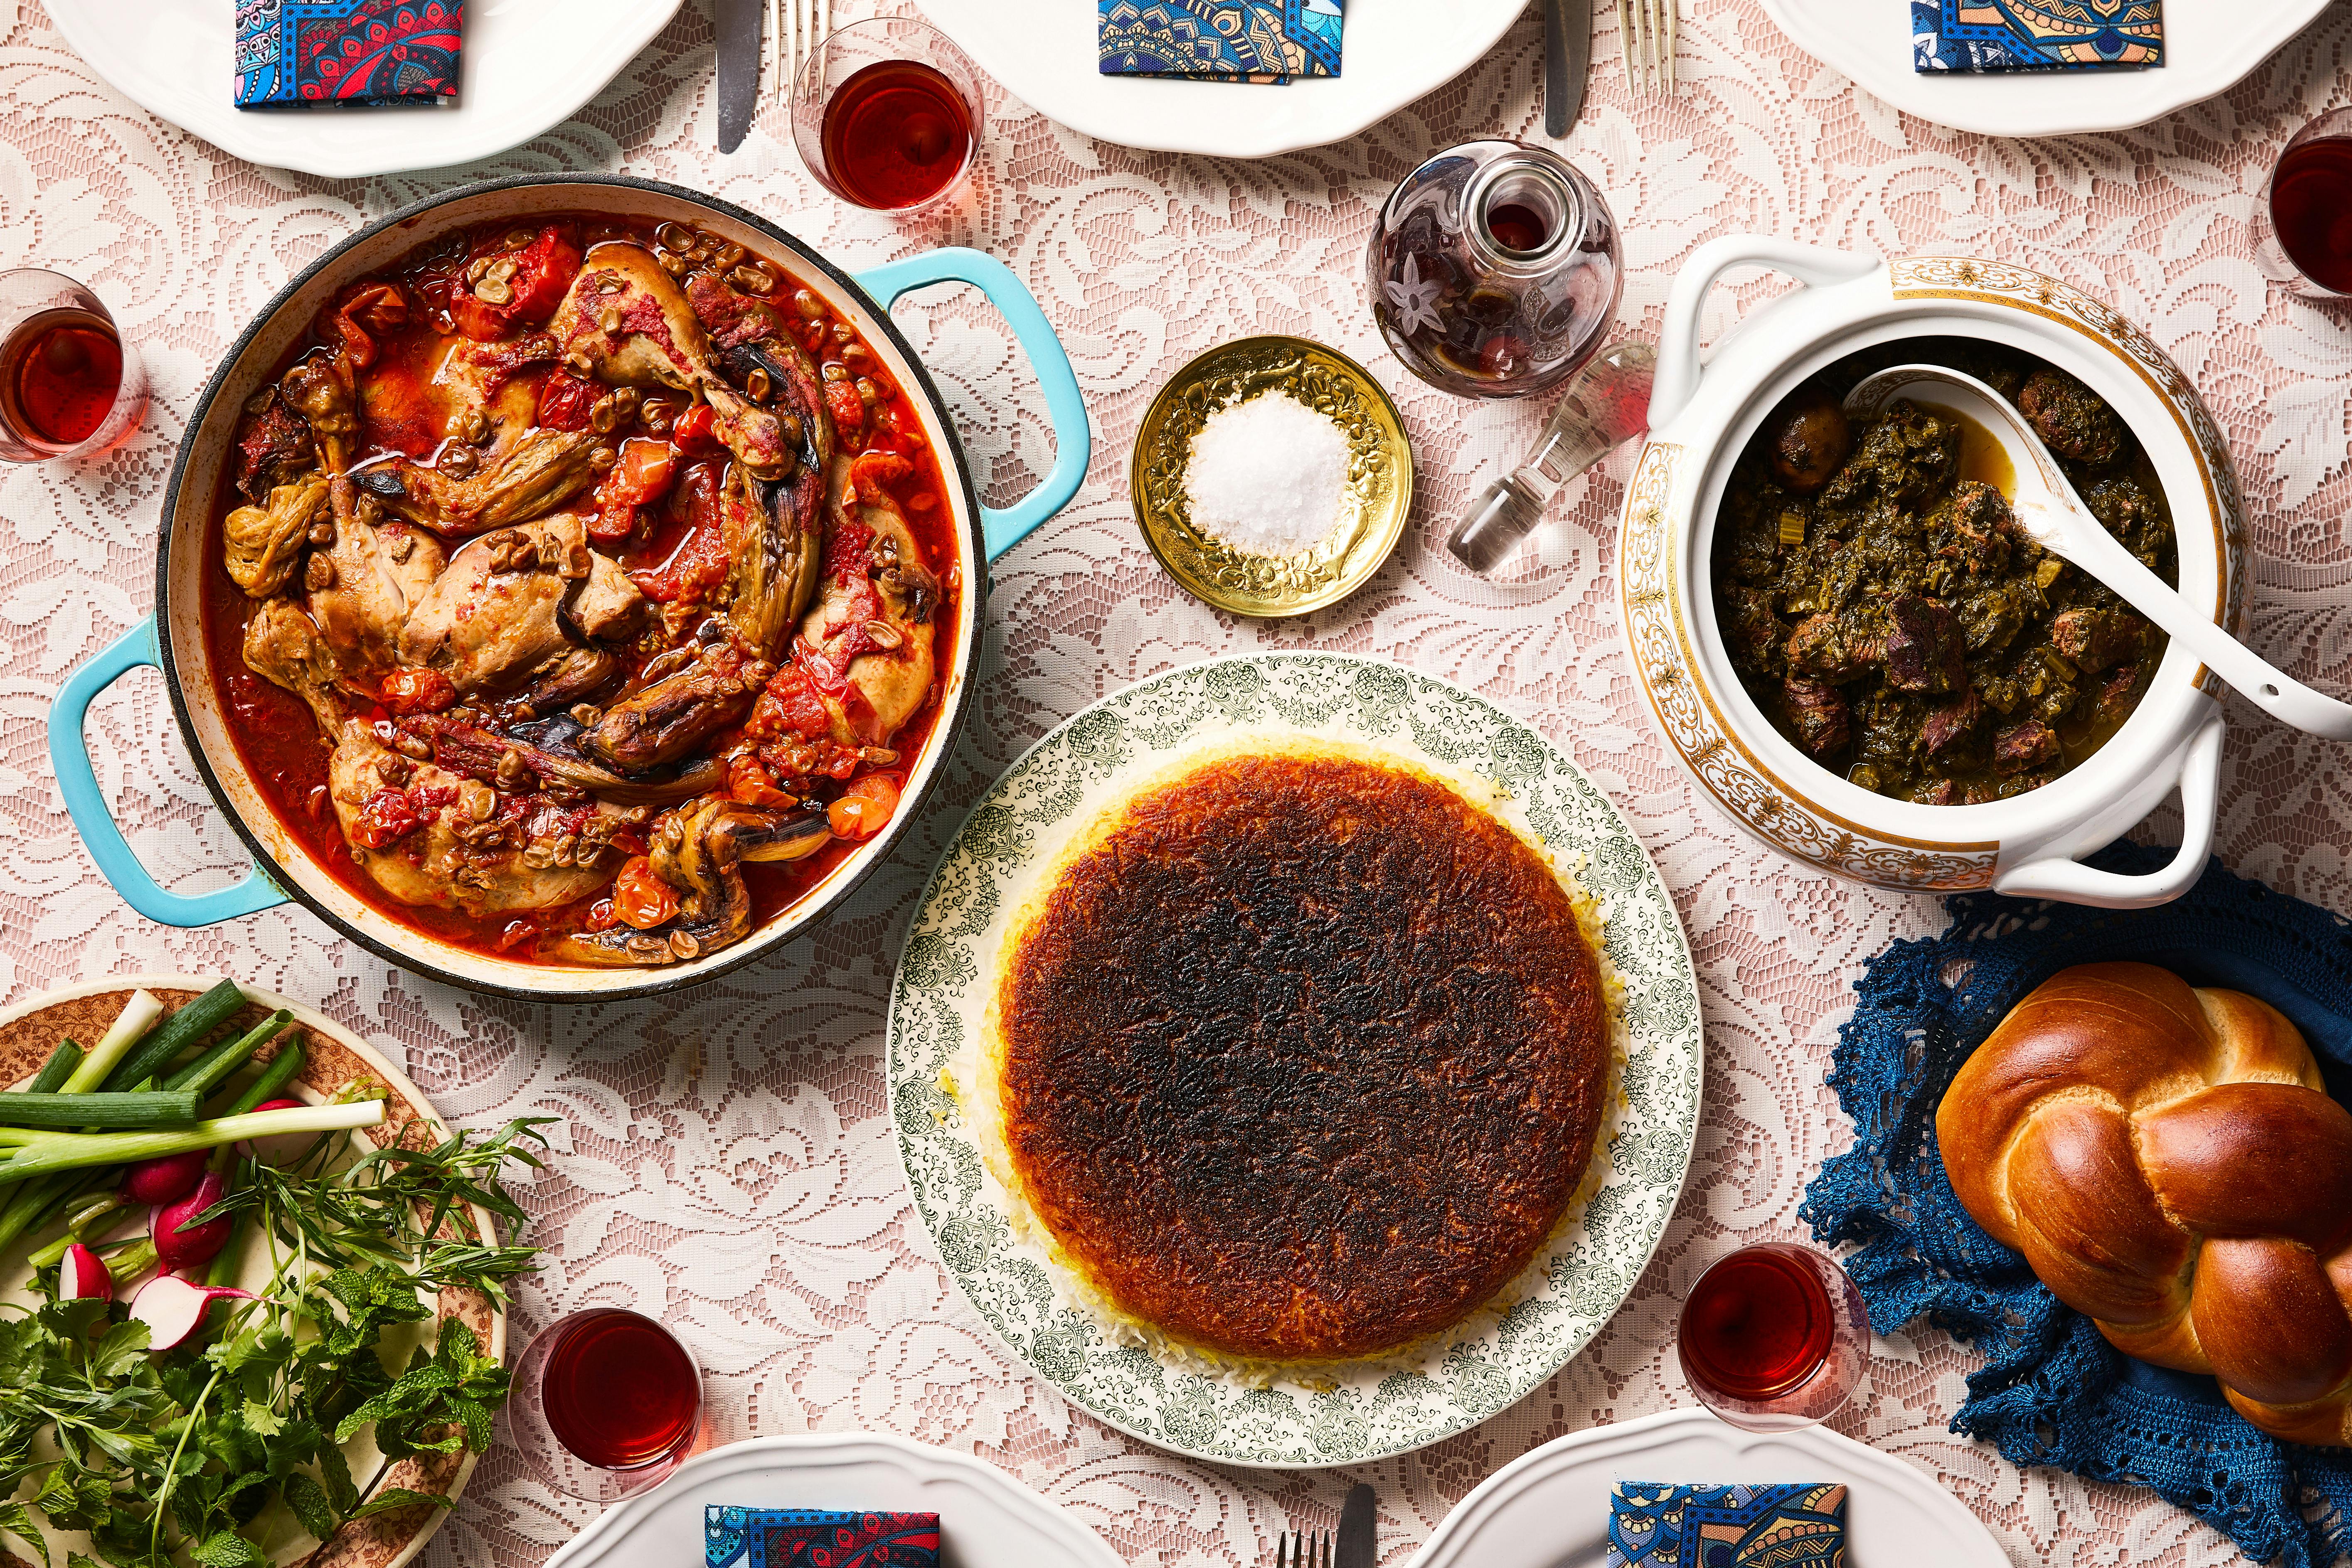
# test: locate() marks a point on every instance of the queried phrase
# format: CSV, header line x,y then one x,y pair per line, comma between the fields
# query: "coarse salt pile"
x,y
1268,475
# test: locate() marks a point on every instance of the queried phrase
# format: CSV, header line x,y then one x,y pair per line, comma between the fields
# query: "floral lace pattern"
x,y
729,1159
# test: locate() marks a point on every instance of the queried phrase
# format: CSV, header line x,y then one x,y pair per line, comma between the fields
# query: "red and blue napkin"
x,y
818,1538
347,53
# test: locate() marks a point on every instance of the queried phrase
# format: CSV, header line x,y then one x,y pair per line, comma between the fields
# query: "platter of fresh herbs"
x,y
328,1368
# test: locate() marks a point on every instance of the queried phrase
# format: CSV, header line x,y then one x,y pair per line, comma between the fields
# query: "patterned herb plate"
x,y
940,997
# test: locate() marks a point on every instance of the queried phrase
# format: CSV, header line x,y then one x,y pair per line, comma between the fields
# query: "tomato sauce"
x,y
279,738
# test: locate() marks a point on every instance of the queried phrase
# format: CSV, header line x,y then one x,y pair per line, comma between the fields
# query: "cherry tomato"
x,y
695,431
643,473
749,783
384,818
642,899
864,807
412,690
565,401
543,270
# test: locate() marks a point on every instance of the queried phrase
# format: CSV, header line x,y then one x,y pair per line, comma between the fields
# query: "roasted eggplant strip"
x,y
700,851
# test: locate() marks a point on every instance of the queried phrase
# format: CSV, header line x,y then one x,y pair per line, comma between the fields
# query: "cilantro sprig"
x,y
166,1460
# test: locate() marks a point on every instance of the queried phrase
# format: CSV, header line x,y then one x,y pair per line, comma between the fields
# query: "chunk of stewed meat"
x,y
2117,693
1925,650
2025,746
1952,725
1973,528
2099,639
1942,792
1834,648
2071,420
1818,715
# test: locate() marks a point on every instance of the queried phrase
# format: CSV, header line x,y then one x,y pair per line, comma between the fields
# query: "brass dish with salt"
x,y
1370,506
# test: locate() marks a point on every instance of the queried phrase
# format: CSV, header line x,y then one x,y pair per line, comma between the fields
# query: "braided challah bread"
x,y
2166,1159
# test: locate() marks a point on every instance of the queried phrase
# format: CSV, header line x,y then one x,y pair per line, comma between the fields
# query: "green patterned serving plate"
x,y
940,999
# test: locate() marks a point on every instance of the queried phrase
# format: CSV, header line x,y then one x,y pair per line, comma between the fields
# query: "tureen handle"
x,y
2057,874
1002,528
1814,265
78,781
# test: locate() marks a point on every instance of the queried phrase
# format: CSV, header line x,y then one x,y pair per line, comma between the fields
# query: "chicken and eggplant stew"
x,y
1886,611
584,591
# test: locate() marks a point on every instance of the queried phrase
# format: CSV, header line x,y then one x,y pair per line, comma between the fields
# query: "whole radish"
x,y
286,1146
167,1180
179,1245
172,1309
82,1273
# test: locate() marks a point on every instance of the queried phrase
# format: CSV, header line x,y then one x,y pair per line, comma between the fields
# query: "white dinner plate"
x,y
1393,52
945,987
527,64
987,1520
2210,47
1549,1509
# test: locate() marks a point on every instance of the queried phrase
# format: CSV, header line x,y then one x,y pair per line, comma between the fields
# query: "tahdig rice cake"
x,y
1297,1056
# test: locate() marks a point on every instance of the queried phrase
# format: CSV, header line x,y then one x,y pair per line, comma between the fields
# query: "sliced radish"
x,y
172,1309
179,1245
83,1273
167,1180
284,1146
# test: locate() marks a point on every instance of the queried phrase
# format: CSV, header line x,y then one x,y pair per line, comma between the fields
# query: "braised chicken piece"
x,y
264,543
597,557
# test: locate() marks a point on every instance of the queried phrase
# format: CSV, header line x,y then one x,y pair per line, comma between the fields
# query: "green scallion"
x,y
57,1070
51,1152
119,1112
208,1071
188,1028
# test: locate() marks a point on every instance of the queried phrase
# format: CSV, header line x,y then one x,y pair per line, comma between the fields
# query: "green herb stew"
x,y
1886,611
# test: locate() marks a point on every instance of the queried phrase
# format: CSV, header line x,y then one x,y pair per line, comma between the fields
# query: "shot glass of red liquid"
x,y
1774,1336
885,113
70,385
2305,224
605,1402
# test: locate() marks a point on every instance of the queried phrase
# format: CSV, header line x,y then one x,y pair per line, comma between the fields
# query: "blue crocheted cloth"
x,y
2051,1390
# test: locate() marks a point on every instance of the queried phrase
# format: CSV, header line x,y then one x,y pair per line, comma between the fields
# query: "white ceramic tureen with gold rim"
x,y
1701,418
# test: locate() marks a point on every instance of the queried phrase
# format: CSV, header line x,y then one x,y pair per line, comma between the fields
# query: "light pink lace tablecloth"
x,y
727,1160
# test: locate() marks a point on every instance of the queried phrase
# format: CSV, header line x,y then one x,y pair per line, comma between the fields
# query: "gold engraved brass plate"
x,y
1379,476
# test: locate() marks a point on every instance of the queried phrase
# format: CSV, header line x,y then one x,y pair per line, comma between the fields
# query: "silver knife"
x,y
1568,61
739,68
1356,1545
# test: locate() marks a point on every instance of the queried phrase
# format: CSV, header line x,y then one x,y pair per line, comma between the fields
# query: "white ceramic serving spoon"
x,y
2046,506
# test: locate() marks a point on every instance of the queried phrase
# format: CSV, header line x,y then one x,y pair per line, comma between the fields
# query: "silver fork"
x,y
794,28
1303,1547
1649,29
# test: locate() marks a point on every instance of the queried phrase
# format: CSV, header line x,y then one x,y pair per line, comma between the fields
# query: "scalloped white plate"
x,y
2210,48
1550,1507
942,994
1044,53
987,1520
527,65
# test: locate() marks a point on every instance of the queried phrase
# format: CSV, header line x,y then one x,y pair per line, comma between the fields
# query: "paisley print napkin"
x,y
1655,1525
364,53
2035,35
1221,40
816,1538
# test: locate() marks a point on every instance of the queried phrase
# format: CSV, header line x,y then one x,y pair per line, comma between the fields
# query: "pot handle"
x,y
1002,528
1814,265
2061,877
78,781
